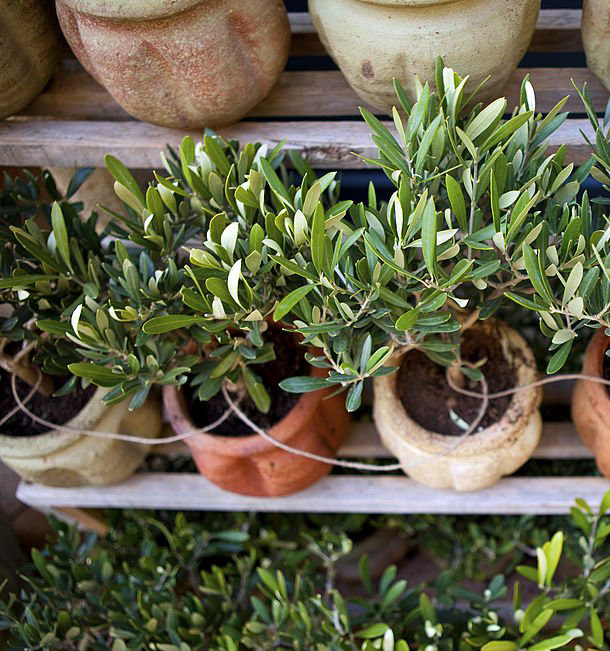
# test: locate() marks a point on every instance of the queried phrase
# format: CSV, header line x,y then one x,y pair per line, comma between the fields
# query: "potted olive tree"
x,y
52,262
426,274
231,289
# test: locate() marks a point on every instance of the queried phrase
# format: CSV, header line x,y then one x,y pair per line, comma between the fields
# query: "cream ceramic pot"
x,y
596,38
61,458
373,41
30,46
483,458
184,63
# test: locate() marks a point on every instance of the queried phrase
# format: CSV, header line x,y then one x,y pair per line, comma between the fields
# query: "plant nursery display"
x,y
188,63
30,45
232,287
51,263
376,41
236,581
596,38
425,276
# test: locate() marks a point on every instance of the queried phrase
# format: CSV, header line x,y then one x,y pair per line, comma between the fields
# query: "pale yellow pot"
x,y
596,38
30,46
373,41
483,458
60,458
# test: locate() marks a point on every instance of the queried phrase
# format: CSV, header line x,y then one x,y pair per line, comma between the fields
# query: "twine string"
x,y
233,407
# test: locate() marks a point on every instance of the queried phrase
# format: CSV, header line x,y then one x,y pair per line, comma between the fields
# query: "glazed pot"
x,y
596,38
61,458
484,457
591,403
184,63
250,465
30,46
375,41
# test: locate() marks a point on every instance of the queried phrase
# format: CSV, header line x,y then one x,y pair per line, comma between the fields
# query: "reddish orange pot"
x,y
591,403
250,465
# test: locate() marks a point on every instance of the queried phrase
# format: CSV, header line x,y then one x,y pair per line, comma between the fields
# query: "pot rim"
x,y
51,441
241,446
514,420
130,9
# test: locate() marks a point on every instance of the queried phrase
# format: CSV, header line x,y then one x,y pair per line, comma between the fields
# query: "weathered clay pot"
x,y
30,46
373,41
252,466
184,63
591,403
483,458
60,458
596,38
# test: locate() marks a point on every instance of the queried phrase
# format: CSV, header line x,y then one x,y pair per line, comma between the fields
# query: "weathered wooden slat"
x,y
558,30
45,143
334,494
74,95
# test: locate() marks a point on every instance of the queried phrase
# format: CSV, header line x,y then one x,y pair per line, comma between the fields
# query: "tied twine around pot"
x,y
233,407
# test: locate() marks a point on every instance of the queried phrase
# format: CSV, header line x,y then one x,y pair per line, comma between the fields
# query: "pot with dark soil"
x,y
67,458
591,401
239,460
419,415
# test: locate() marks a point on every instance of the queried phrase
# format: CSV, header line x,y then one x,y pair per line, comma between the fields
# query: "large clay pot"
x,y
61,458
250,465
184,63
373,41
596,38
484,457
591,403
30,46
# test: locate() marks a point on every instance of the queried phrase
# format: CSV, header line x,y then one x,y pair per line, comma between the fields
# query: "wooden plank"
x,y
47,143
74,95
334,494
559,441
558,30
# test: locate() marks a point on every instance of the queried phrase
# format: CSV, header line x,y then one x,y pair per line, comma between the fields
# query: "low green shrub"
x,y
229,582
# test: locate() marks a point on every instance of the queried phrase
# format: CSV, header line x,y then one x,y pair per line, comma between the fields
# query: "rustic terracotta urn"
x,y
484,457
30,46
596,38
375,41
252,466
180,63
61,458
591,403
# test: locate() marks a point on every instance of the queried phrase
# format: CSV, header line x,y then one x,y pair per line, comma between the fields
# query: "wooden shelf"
x,y
75,122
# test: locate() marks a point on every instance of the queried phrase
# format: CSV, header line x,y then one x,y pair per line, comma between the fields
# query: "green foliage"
x,y
266,582
474,193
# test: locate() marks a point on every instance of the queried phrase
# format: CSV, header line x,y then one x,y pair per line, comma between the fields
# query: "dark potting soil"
x,y
289,361
428,399
55,410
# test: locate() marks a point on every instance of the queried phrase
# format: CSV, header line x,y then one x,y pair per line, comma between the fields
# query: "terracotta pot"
x,y
483,458
373,41
30,46
250,465
185,63
60,458
596,38
591,403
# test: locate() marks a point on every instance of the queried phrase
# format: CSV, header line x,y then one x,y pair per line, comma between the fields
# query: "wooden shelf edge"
x,y
334,494
52,143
